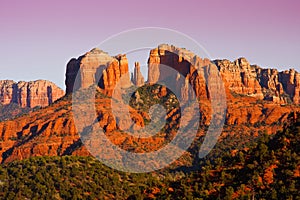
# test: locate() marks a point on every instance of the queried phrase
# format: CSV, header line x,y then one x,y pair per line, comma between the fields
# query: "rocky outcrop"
x,y
96,66
290,80
153,66
137,77
48,131
29,94
112,74
51,131
166,61
268,84
239,76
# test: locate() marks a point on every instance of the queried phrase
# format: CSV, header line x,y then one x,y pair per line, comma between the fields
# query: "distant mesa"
x,y
29,94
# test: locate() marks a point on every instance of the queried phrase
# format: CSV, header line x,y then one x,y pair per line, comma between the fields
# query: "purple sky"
x,y
37,38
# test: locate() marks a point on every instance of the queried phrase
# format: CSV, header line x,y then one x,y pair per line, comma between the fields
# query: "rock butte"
x,y
254,95
96,66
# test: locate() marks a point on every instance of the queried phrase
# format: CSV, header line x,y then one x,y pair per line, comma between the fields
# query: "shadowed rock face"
x,y
239,77
29,94
193,69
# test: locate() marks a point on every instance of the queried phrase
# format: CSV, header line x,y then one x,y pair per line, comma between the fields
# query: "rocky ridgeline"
x,y
267,84
29,94
239,77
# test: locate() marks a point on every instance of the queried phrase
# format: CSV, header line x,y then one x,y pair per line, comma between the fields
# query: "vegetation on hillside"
x,y
11,111
268,168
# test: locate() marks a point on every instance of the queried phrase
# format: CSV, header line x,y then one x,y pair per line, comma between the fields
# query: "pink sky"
x,y
37,38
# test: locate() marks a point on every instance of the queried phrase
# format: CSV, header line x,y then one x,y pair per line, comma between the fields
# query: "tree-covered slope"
x,y
268,168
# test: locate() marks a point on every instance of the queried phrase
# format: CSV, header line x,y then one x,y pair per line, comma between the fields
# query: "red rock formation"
x,y
290,80
29,94
242,81
268,84
7,94
51,131
113,73
153,66
137,78
186,65
94,66
240,77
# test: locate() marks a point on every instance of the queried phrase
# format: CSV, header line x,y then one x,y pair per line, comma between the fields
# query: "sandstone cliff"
x,y
29,94
96,67
253,94
239,77
268,84
187,65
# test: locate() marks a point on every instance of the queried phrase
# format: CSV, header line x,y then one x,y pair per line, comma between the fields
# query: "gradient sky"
x,y
37,38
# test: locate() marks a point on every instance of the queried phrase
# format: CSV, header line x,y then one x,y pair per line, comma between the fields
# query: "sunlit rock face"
x,y
94,66
29,94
